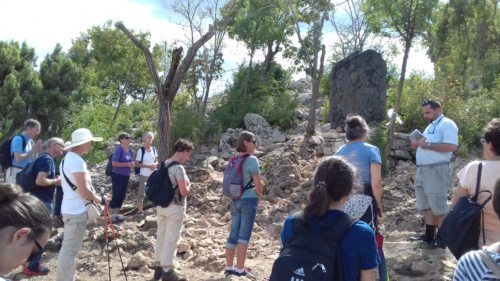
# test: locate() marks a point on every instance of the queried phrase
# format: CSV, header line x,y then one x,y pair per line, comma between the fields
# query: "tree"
x,y
167,90
113,65
260,24
207,65
311,15
463,43
407,19
352,29
19,85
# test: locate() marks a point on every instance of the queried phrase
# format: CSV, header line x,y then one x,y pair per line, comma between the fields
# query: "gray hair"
x,y
51,141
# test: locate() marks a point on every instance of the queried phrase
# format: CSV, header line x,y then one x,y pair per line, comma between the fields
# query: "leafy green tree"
x,y
113,65
406,19
19,85
463,43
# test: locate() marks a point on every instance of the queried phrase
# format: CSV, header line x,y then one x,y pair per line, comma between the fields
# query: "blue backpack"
x,y
232,183
25,178
311,256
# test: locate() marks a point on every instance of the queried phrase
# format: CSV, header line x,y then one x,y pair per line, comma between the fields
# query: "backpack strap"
x,y
335,232
73,187
490,263
478,181
143,150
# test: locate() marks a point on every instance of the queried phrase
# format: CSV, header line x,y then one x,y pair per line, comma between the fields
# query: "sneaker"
x,y
57,222
230,272
171,275
158,273
38,272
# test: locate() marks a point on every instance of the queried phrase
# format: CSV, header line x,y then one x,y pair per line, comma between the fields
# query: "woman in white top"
x,y
73,210
24,227
147,164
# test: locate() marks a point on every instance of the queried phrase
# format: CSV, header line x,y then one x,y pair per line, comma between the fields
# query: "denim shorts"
x,y
243,213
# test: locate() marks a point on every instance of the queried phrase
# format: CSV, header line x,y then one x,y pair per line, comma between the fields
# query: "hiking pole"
x,y
106,215
115,236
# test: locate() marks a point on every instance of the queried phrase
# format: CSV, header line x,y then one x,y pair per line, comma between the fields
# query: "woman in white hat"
x,y
74,173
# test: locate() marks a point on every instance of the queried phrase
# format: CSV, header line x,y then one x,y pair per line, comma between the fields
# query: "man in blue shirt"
x,y
23,156
433,177
44,172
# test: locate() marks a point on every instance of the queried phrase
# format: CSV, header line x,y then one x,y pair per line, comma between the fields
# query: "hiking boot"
x,y
158,272
117,218
171,275
36,272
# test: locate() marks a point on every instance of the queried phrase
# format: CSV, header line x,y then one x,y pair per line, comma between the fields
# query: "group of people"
x,y
348,183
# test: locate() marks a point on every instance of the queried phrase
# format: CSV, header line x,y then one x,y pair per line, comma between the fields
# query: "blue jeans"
x,y
243,213
119,185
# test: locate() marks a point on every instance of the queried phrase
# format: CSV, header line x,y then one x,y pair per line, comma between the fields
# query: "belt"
x,y
435,164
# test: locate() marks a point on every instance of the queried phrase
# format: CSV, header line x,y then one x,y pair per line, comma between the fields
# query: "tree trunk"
x,y
270,56
397,103
316,80
249,70
164,125
120,103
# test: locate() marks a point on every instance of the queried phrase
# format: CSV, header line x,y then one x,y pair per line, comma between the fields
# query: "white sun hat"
x,y
81,136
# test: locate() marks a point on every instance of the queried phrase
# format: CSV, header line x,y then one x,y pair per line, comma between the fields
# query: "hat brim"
x,y
84,141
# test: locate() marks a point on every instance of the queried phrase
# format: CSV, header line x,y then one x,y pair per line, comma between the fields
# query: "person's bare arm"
x,y
376,182
83,187
184,187
369,275
43,180
258,185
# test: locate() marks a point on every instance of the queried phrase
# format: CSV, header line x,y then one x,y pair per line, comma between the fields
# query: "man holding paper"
x,y
434,151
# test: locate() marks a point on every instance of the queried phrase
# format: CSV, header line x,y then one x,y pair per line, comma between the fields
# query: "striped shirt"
x,y
470,267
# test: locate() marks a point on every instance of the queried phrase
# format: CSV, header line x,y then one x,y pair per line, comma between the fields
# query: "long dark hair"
x,y
334,179
20,210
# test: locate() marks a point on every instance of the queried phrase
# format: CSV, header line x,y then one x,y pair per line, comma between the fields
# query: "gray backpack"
x,y
232,183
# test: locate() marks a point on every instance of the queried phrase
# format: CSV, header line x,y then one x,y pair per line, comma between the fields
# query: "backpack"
x,y
311,256
232,183
5,153
26,179
461,228
159,188
137,170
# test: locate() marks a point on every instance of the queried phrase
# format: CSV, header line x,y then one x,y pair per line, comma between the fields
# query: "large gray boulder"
x,y
358,85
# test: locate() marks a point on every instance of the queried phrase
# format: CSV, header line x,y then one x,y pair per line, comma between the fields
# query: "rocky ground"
x,y
287,175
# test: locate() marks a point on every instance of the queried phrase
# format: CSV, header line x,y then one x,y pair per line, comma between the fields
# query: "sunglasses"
x,y
34,253
253,141
483,141
126,138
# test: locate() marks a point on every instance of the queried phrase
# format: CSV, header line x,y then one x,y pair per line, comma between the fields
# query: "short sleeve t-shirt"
x,y
489,175
250,169
45,164
361,155
358,247
148,159
73,203
177,173
16,146
441,130
122,156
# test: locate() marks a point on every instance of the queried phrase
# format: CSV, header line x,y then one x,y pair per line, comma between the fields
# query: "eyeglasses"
x,y
253,141
39,247
125,138
60,145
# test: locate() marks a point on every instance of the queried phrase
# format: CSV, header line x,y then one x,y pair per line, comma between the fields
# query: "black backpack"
x,y
5,155
109,166
26,179
461,228
159,188
311,256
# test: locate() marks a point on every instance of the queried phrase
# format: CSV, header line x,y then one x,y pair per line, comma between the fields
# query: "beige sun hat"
x,y
81,136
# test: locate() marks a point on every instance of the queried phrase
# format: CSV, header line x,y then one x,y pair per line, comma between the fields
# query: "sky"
x,y
43,24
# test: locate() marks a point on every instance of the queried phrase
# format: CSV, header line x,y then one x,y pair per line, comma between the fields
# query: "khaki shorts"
x,y
431,187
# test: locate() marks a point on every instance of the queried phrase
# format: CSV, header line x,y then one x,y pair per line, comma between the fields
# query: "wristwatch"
x,y
428,146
